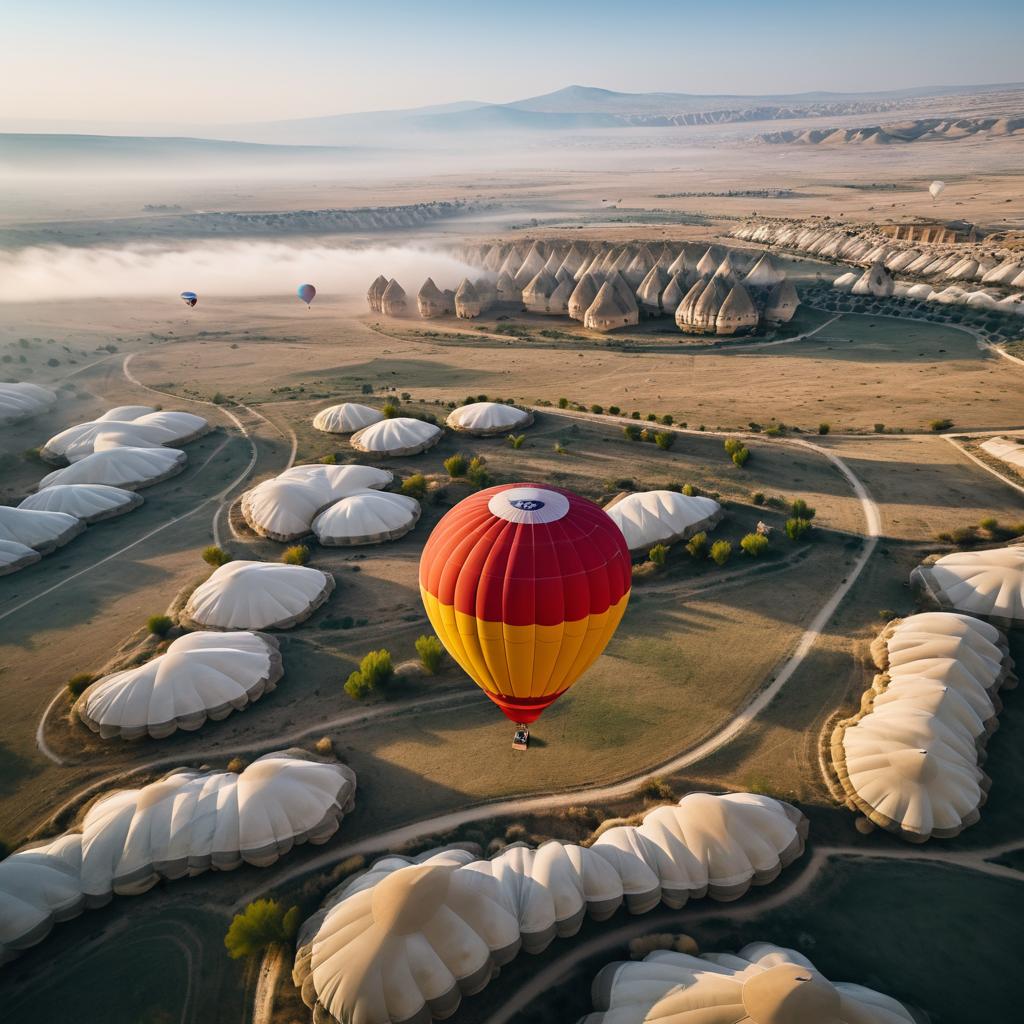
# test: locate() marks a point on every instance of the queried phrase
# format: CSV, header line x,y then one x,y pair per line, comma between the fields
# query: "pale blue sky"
x,y
212,60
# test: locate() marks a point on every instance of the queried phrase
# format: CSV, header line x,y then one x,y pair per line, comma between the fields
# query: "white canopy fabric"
x,y
485,419
21,400
200,676
346,418
761,984
257,595
1006,450
988,584
41,531
647,518
408,938
14,556
399,436
182,426
340,481
909,760
186,823
75,443
88,502
367,517
129,468
126,413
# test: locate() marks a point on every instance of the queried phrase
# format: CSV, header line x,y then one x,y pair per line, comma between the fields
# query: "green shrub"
x,y
560,448
652,418
78,684
823,428
774,430
797,528
563,403
614,410
329,460
799,509
297,554
732,445
989,523
631,432
599,409
516,440
375,671
477,473
634,415
263,923
455,465
390,410
740,456
754,544
943,424
758,498
415,486
720,552
879,428
689,490
431,653
658,555
215,556
667,420
159,625
664,440
697,545
356,686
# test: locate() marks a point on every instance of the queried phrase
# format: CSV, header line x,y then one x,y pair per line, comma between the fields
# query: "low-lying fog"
x,y
52,273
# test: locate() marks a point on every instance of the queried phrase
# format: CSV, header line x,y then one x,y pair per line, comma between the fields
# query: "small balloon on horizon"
x,y
306,292
190,299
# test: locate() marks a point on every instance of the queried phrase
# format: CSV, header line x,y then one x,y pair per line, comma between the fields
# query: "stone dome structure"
x,y
650,291
583,296
607,312
375,294
468,304
737,314
538,291
431,301
875,281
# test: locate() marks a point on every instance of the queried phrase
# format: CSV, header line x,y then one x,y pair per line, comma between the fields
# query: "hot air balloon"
x,y
936,188
524,585
307,293
190,299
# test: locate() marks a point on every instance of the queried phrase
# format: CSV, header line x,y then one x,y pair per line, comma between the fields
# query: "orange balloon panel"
x,y
525,585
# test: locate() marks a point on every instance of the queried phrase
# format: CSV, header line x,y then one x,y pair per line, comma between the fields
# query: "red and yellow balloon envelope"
x,y
525,585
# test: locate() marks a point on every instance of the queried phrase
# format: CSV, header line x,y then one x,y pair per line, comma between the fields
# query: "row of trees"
x,y
377,669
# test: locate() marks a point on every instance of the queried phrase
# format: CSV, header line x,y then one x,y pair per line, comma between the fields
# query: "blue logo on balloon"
x,y
526,504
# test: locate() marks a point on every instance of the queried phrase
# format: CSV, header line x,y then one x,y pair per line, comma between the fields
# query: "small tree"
x,y
455,465
516,440
689,490
697,545
563,403
263,923
667,420
375,671
754,544
879,428
658,555
415,486
799,509
78,684
631,432
390,410
758,498
431,653
797,528
614,410
740,456
599,409
732,444
356,686
215,556
664,440
297,554
989,523
720,552
824,428
477,471
159,625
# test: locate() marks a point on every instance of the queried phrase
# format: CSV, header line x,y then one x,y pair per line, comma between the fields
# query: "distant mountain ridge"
x,y
926,129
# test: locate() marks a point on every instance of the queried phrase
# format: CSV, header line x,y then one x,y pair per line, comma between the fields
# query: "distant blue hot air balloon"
x,y
189,298
307,293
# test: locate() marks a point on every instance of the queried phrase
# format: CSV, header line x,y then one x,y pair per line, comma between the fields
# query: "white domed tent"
x,y
408,938
200,676
647,518
399,436
127,413
21,400
583,295
88,502
908,761
14,556
129,468
257,595
367,517
988,584
41,531
182,825
508,292
650,290
608,311
1006,450
485,419
761,984
764,274
182,426
75,443
538,291
122,436
781,303
737,314
339,481
346,418
431,301
281,509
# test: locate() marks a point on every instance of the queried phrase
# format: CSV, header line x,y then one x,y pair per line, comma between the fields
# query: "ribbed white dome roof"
x,y
129,468
989,584
338,481
42,531
126,413
399,436
88,502
367,517
15,555
183,426
75,443
200,676
485,418
652,517
21,400
346,418
257,595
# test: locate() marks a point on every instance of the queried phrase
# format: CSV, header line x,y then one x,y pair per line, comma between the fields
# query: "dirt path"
x,y
266,984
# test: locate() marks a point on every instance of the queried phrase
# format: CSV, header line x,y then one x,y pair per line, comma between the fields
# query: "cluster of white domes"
x,y
41,531
199,676
409,937
257,595
184,824
761,984
284,507
14,556
90,503
486,419
128,426
608,287
1010,451
647,518
128,468
346,418
988,584
20,400
399,436
909,761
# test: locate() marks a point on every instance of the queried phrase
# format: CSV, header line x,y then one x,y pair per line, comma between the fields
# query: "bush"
x,y
560,448
732,444
652,418
797,528
356,686
455,465
689,490
415,486
658,555
324,746
297,554
374,672
431,653
263,923
655,789
697,545
720,552
879,428
78,684
563,403
754,544
989,523
631,432
390,410
667,420
478,473
516,440
740,456
823,428
215,556
159,625
237,765
329,460
943,424
599,409
664,440
799,509
758,498
614,410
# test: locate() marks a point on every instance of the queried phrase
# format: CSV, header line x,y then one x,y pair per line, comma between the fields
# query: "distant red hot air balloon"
x,y
524,585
